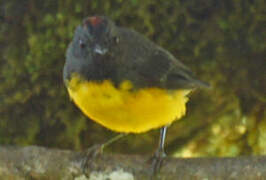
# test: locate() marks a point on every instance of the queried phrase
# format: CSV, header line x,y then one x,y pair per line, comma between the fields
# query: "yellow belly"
x,y
125,110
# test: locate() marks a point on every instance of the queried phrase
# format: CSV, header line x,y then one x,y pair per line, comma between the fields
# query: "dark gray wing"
x,y
162,68
148,65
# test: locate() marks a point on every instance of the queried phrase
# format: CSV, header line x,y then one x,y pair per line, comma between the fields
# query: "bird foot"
x,y
90,155
156,162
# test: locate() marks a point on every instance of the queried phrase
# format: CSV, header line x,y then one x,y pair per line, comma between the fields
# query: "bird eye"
x,y
81,43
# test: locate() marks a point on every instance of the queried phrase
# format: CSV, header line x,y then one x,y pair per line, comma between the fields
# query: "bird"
x,y
125,82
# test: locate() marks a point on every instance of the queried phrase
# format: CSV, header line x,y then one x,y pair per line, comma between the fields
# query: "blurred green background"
x,y
223,42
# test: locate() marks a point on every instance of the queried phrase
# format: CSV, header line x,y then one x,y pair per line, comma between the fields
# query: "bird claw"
x,y
95,151
90,155
156,162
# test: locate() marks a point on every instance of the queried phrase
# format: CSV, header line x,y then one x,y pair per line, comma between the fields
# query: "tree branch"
x,y
42,163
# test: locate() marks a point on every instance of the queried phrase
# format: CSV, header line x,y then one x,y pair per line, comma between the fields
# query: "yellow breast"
x,y
125,110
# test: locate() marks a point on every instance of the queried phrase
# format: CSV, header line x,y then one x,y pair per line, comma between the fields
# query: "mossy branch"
x,y
34,162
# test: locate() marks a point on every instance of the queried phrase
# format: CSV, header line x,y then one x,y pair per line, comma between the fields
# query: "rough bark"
x,y
42,163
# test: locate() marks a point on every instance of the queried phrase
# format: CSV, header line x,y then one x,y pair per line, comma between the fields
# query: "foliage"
x,y
222,41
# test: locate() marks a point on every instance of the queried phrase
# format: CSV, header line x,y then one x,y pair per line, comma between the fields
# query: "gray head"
x,y
91,47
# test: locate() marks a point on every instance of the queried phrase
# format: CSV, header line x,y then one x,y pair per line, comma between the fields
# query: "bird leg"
x,y
159,155
97,150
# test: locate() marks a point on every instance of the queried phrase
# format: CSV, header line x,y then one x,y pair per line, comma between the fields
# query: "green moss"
x,y
222,42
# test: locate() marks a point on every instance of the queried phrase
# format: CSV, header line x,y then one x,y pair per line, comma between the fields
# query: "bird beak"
x,y
100,50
